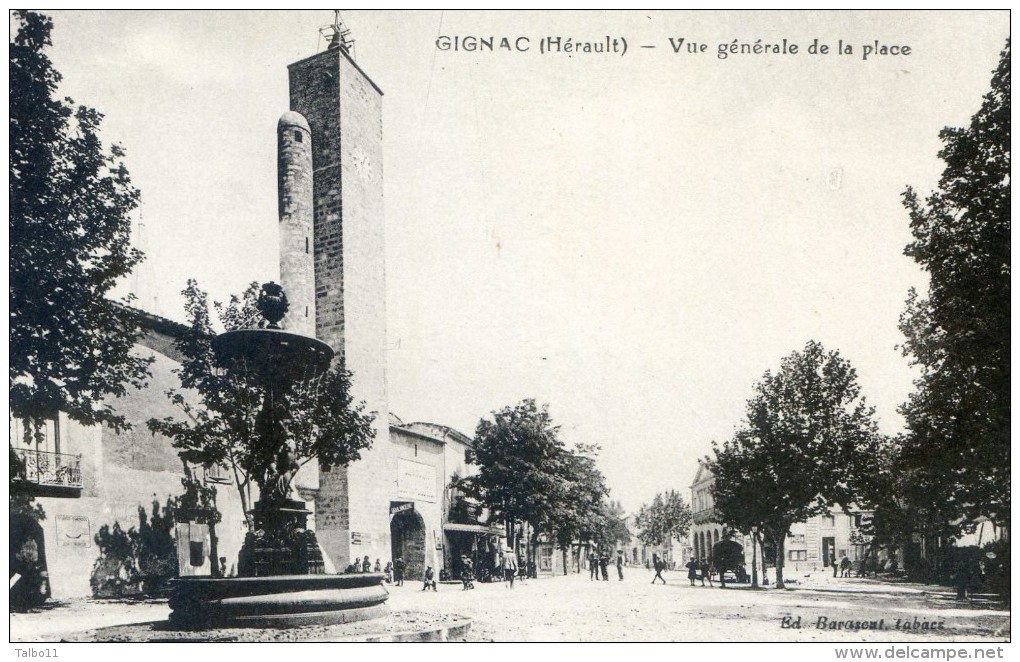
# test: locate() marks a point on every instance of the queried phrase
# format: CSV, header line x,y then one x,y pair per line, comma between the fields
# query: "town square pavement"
x,y
573,608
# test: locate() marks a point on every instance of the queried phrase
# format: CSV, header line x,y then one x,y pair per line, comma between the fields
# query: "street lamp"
x,y
754,557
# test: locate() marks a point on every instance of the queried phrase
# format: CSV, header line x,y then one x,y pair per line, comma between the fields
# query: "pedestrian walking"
x,y
388,572
468,573
509,568
844,567
430,580
604,566
378,566
619,564
593,565
692,570
366,565
706,572
659,566
398,572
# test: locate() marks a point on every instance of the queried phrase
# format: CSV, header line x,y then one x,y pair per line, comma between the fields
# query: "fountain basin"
x,y
276,601
272,355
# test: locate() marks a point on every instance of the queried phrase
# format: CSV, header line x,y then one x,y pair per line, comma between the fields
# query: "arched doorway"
x,y
407,541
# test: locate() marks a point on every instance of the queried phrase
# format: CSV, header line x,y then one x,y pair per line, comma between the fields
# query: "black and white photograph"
x,y
631,326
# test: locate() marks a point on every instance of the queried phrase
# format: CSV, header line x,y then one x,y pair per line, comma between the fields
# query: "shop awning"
x,y
475,528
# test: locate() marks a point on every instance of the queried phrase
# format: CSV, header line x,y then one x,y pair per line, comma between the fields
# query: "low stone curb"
x,y
454,630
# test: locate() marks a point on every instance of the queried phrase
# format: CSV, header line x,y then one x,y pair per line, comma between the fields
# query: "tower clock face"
x,y
362,163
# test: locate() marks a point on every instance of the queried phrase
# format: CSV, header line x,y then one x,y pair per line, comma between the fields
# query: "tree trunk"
x,y
533,549
754,560
780,553
214,554
243,493
565,560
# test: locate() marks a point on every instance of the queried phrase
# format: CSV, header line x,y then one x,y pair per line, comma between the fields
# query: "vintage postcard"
x,y
547,326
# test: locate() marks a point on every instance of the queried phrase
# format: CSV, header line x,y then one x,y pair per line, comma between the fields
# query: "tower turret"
x,y
297,252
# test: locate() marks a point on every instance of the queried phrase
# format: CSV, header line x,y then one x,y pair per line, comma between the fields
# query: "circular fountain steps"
x,y
281,601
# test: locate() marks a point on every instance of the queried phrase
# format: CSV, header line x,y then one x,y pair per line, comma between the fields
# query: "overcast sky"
x,y
633,239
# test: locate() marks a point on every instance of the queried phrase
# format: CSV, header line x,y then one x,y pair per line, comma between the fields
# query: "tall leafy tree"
x,y
222,408
810,442
667,517
959,333
613,530
523,468
70,201
581,515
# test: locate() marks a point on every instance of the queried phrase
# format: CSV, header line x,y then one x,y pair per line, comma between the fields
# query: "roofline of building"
x,y
153,322
448,431
413,433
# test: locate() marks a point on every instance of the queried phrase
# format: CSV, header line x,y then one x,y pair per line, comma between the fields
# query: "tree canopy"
x,y
582,514
222,408
526,474
522,466
959,334
70,205
613,529
809,443
667,517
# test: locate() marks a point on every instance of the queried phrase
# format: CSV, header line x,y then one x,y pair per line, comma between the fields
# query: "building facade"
x,y
810,546
87,477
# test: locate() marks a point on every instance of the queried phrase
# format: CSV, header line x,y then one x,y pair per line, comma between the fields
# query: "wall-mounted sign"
x,y
355,537
400,507
73,531
416,481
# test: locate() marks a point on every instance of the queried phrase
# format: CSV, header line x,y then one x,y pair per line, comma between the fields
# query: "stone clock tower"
x,y
343,110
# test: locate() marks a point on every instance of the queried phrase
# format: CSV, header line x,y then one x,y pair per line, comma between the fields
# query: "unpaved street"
x,y
573,608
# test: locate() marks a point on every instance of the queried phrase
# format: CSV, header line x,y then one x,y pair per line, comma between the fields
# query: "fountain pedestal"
x,y
281,543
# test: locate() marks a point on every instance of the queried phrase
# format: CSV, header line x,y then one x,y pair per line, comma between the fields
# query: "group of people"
x,y
842,569
598,564
364,566
507,565
699,570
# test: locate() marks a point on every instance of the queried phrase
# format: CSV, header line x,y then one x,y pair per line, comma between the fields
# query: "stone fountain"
x,y
282,581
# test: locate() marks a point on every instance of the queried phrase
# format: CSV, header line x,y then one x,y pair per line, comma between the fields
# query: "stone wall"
x,y
120,472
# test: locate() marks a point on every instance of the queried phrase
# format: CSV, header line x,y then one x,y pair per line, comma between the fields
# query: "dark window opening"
x,y
197,557
298,137
306,245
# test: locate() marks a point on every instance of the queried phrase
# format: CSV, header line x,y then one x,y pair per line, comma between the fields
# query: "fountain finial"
x,y
272,303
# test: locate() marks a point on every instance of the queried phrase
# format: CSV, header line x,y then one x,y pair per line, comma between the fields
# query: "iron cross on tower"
x,y
338,34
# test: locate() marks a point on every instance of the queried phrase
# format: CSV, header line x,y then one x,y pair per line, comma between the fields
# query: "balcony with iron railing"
x,y
704,515
47,474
